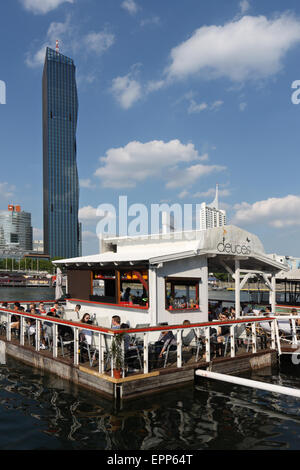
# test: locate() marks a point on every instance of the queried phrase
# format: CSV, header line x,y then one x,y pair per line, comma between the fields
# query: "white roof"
x,y
227,242
145,253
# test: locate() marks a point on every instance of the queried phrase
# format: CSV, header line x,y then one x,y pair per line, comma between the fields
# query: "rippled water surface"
x,y
41,411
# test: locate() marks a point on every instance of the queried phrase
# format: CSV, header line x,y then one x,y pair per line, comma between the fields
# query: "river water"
x,y
41,411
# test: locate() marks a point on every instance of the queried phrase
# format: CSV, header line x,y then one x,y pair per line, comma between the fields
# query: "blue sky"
x,y
174,97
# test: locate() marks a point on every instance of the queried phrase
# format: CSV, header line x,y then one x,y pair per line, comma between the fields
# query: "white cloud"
x,y
154,85
7,190
154,20
183,194
216,104
197,108
86,183
212,192
56,31
124,167
244,6
70,39
126,90
99,42
248,48
242,106
130,6
87,235
43,6
276,212
88,213
188,176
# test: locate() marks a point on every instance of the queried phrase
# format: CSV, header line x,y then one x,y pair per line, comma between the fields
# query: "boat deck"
x,y
136,383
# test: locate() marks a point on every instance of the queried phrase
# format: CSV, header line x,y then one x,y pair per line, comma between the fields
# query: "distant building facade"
x,y
210,214
15,232
38,246
60,176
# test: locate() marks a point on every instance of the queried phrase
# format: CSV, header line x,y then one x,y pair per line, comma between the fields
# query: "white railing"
x,y
243,332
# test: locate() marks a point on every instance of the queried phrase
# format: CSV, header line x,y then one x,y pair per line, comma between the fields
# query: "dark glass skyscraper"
x,y
60,176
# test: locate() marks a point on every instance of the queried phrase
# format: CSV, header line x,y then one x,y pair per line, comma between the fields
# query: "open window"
x,y
134,288
104,286
182,294
126,287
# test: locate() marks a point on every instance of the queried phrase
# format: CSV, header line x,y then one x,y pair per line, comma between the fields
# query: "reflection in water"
x,y
41,411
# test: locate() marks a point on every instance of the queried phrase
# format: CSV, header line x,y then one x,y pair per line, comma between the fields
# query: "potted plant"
x,y
116,351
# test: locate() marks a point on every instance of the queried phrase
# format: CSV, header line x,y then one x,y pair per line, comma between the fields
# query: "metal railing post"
x,y
123,356
294,335
112,361
8,328
76,346
22,330
277,337
207,344
101,353
55,339
273,343
253,337
37,335
179,348
146,352
232,340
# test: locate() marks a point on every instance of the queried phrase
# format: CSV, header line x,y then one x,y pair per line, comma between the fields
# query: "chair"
x,y
31,331
133,354
93,352
191,341
63,343
139,337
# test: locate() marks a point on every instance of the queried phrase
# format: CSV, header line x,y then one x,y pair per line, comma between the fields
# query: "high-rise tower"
x,y
210,214
60,176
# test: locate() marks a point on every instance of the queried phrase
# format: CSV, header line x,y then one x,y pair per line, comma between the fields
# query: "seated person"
x,y
222,332
131,351
58,309
187,335
31,323
212,315
126,295
232,313
47,327
15,319
86,335
77,310
165,339
294,311
41,309
126,337
115,322
30,308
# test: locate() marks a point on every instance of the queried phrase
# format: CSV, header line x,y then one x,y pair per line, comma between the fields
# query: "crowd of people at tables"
x,y
165,340
56,311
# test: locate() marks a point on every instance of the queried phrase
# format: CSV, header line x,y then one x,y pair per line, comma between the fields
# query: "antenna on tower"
x,y
57,46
